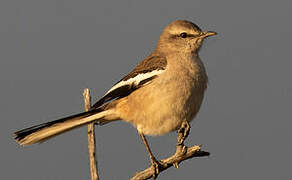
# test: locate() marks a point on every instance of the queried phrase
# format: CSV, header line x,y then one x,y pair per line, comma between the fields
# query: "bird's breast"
x,y
174,96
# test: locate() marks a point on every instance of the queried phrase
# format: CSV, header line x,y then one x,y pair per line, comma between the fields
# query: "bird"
x,y
162,92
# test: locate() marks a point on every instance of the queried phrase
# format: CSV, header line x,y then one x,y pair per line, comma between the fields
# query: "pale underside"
x,y
160,106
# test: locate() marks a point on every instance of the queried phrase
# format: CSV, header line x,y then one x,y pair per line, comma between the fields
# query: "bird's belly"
x,y
163,106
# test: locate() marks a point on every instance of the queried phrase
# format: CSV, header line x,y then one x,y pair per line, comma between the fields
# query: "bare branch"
x,y
91,138
180,155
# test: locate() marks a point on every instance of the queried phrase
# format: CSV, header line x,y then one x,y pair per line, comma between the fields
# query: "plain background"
x,y
50,50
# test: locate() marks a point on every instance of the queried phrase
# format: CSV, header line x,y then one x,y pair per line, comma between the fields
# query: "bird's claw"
x,y
156,168
175,164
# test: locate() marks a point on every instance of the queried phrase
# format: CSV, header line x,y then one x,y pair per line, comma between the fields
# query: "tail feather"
x,y
42,132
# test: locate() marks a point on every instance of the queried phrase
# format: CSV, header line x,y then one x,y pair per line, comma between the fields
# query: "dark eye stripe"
x,y
193,35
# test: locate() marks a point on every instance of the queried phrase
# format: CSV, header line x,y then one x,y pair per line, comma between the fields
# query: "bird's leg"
x,y
183,133
154,162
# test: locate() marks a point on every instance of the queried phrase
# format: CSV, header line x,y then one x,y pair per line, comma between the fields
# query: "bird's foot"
x,y
156,167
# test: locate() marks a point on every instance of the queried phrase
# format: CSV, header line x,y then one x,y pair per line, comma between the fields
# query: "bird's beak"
x,y
207,34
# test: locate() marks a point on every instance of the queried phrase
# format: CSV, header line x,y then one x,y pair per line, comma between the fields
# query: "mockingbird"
x,y
164,91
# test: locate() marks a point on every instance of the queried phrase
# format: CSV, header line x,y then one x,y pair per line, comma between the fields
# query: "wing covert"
x,y
143,74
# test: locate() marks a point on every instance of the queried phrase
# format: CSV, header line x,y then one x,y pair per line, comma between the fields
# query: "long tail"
x,y
42,132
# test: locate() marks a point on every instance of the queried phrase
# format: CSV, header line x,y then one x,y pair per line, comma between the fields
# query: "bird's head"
x,y
182,35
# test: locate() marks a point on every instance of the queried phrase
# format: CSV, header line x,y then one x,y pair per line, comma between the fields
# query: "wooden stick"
x,y
91,138
180,155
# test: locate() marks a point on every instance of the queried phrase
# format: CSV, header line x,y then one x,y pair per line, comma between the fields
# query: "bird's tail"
x,y
42,132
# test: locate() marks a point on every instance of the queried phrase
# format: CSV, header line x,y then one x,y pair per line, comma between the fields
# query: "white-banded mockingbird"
x,y
163,91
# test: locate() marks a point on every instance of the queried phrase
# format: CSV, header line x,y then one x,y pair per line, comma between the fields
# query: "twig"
x,y
174,160
182,153
91,138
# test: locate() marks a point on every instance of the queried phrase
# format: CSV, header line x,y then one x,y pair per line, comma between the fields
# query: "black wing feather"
x,y
149,64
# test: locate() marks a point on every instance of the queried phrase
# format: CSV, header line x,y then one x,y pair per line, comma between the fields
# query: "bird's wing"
x,y
143,74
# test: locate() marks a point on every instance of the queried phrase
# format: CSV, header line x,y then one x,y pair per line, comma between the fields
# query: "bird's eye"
x,y
183,35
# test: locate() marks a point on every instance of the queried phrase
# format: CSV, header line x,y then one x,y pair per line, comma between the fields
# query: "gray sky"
x,y
52,50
